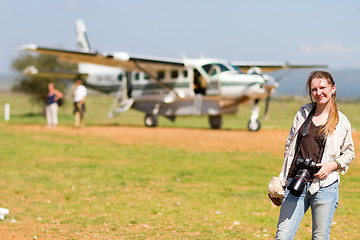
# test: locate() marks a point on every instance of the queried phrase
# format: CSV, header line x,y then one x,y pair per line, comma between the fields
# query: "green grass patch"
x,y
52,178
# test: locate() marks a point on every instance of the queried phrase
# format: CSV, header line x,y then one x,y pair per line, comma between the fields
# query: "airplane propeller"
x,y
269,93
267,106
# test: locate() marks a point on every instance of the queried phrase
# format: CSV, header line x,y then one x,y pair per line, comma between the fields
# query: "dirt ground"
x,y
195,139
269,141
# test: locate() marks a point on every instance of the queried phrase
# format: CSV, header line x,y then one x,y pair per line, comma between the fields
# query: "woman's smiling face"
x,y
321,90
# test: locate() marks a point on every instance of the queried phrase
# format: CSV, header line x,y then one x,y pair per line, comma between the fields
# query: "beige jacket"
x,y
339,146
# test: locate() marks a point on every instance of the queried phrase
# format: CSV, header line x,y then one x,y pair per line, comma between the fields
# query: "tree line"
x,y
35,86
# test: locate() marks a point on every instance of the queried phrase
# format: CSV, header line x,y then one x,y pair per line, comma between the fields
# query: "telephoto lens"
x,y
297,185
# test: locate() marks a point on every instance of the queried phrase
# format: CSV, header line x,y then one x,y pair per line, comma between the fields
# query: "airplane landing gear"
x,y
151,120
254,124
215,121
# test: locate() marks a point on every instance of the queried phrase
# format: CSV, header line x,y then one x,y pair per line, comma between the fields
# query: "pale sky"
x,y
308,31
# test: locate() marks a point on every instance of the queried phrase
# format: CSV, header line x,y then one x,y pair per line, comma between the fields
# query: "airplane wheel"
x,y
151,120
215,121
254,125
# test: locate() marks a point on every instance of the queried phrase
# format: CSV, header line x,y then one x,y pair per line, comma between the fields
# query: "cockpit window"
x,y
215,68
236,68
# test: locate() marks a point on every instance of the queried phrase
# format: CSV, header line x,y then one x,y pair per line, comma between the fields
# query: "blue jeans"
x,y
323,204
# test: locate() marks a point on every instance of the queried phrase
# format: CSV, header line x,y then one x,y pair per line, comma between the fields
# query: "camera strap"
x,y
305,130
308,120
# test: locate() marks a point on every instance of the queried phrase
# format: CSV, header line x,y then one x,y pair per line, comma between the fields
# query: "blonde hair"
x,y
333,119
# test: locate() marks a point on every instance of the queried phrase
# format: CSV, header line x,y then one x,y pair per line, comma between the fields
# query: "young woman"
x,y
328,142
51,108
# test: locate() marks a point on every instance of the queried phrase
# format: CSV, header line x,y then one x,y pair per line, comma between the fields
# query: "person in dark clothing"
x,y
51,108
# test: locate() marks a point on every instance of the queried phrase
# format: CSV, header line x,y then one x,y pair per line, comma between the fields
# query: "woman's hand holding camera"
x,y
325,169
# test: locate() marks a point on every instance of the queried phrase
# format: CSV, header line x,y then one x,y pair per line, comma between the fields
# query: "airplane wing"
x,y
273,66
148,65
33,71
117,59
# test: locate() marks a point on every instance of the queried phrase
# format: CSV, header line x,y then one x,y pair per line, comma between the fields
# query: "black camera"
x,y
306,169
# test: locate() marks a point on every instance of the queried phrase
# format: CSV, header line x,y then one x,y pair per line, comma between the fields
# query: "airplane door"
x,y
129,84
206,85
123,100
199,83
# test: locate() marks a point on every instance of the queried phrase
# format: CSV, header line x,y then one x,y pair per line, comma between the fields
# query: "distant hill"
x,y
6,82
347,82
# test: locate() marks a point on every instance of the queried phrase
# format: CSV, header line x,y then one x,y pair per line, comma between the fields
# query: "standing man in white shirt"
x,y
79,103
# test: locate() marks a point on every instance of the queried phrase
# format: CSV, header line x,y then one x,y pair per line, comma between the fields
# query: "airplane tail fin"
x,y
81,36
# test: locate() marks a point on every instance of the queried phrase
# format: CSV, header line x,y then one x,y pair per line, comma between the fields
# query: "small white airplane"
x,y
166,86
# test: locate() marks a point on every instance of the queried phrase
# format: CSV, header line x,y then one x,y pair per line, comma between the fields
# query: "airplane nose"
x,y
270,83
